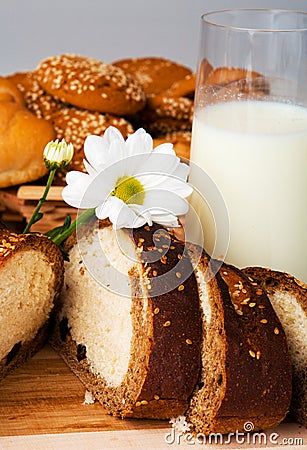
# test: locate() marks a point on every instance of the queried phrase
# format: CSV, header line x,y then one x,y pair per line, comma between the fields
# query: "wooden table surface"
x,y
41,407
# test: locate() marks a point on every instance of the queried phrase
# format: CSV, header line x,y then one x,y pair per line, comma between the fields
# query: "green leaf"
x,y
60,229
37,217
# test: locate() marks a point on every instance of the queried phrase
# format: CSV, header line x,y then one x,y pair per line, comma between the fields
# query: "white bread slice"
x,y
289,299
31,268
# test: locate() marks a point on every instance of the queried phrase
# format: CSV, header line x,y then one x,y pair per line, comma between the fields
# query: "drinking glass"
x,y
249,135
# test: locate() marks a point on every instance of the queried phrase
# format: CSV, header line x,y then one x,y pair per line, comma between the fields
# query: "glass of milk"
x,y
249,137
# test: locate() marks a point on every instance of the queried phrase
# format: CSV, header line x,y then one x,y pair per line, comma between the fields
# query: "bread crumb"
x,y
89,398
180,424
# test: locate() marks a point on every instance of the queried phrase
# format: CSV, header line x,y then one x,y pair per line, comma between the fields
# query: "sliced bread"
x,y
137,351
31,268
289,299
246,371
186,339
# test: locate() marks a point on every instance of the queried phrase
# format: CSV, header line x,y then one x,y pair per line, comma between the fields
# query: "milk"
x,y
256,154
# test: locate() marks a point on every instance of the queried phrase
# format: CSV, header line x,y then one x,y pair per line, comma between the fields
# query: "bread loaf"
x,y
31,268
138,354
289,299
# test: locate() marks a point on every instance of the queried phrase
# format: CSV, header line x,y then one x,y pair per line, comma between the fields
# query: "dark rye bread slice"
x,y
157,362
31,268
289,299
246,370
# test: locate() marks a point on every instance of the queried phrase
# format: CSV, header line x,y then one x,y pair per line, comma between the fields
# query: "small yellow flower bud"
x,y
58,155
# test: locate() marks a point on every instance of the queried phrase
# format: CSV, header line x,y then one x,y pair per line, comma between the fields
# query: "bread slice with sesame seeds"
x,y
289,299
31,268
246,370
129,324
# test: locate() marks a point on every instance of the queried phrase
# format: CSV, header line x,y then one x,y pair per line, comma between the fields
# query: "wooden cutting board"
x,y
41,407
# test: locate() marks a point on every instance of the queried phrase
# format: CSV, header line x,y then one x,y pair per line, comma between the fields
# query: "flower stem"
x,y
36,216
80,220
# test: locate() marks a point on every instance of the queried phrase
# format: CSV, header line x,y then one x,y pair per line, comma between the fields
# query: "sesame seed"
x,y
178,274
263,321
144,402
252,353
156,397
276,330
156,310
181,287
261,306
258,354
252,304
155,273
239,312
163,259
167,323
138,404
188,341
225,273
259,292
179,256
236,293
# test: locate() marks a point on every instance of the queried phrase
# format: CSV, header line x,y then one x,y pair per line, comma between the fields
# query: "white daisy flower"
x,y
129,182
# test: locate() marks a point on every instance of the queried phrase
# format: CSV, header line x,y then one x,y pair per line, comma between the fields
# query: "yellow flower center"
x,y
129,190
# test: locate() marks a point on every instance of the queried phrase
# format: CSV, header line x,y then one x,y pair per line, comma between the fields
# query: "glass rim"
x,y
204,18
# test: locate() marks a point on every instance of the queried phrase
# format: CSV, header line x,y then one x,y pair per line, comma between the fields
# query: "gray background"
x,y
31,30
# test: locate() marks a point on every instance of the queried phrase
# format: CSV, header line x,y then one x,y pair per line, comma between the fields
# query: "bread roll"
x,y
22,139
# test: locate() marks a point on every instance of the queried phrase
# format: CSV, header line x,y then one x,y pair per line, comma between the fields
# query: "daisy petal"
x,y
105,209
112,134
138,143
161,201
167,183
168,220
182,171
95,150
165,148
89,168
159,164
